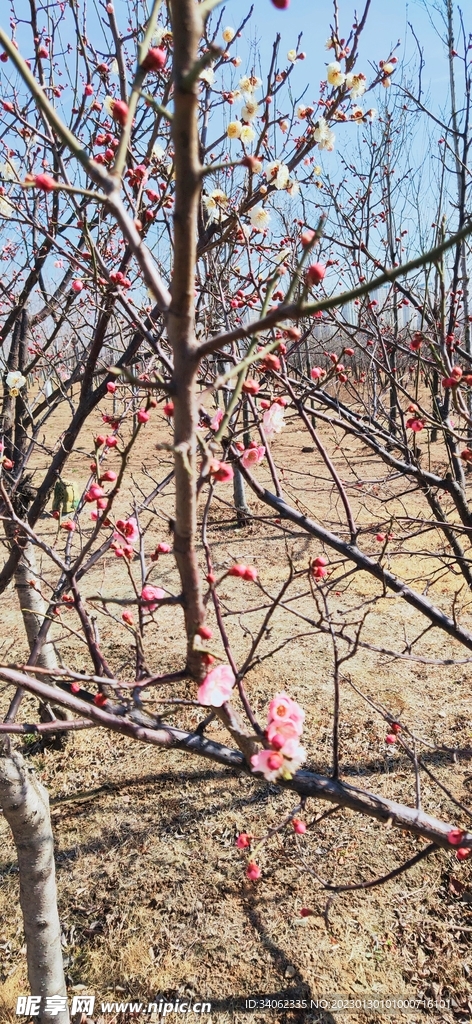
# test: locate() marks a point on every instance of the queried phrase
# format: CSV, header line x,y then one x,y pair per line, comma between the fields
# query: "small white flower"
x,y
334,74
292,56
6,209
388,68
207,75
357,114
8,171
323,135
372,113
250,110
260,218
329,44
15,379
247,134
114,67
356,85
277,174
215,204
249,84
233,130
237,61
283,255
158,152
228,34
108,103
293,187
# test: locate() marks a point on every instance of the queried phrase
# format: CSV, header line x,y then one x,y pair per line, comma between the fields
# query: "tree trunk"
x,y
25,805
33,609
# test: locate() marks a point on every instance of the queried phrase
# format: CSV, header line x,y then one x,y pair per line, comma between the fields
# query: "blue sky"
x,y
386,24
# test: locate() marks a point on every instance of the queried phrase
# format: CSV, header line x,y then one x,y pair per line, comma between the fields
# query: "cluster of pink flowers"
x,y
284,728
125,536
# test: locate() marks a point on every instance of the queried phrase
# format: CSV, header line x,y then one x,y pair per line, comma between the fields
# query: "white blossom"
x,y
260,218
207,75
6,209
250,110
15,380
215,204
277,174
247,134
334,74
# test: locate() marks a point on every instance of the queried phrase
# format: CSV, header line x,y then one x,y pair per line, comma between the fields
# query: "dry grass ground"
x,y
152,893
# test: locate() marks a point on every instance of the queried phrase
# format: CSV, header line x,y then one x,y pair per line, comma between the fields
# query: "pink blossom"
x,y
273,420
221,471
150,593
269,762
216,687
280,734
126,529
253,871
283,709
273,764
253,456
316,373
217,418
299,826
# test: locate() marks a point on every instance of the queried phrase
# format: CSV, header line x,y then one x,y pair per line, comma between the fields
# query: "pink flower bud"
x,y
155,59
307,237
243,841
109,476
463,853
306,912
111,441
204,632
299,826
253,871
99,440
237,570
69,525
168,408
142,416
390,738
128,617
119,111
77,285
94,492
315,273
455,836
111,387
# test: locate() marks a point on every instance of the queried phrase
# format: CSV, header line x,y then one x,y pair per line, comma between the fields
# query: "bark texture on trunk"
x,y
25,805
